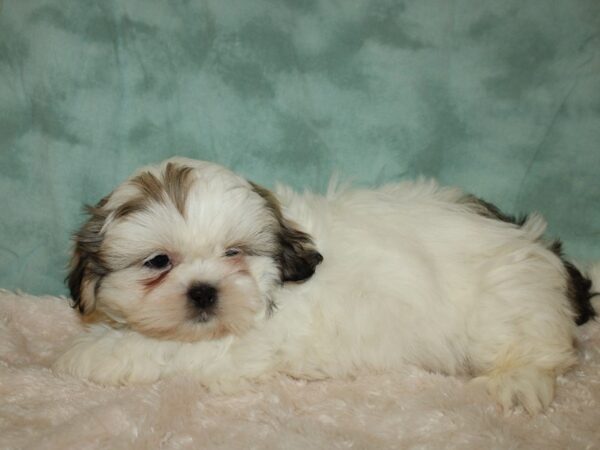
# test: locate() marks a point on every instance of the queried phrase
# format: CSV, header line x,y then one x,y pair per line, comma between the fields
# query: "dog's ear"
x,y
82,283
297,255
298,258
86,266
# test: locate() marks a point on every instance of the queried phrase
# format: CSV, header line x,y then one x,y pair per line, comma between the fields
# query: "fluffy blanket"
x,y
412,409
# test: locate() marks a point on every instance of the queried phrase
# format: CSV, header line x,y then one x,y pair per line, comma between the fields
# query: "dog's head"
x,y
186,250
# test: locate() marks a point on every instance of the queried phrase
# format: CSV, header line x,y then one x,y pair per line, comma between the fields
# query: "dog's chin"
x,y
202,328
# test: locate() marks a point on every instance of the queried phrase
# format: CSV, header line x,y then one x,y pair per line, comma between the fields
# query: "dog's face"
x,y
186,250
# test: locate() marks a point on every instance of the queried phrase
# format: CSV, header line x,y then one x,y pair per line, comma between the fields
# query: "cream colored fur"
x,y
411,276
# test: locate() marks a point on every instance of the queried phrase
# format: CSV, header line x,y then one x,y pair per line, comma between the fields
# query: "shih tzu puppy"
x,y
190,268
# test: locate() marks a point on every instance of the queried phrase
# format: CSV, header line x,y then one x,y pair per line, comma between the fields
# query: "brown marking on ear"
x,y
296,255
87,266
75,279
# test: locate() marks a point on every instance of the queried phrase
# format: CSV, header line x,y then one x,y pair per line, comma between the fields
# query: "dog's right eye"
x,y
158,262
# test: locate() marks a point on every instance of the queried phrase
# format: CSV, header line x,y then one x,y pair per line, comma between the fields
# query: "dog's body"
x,y
411,273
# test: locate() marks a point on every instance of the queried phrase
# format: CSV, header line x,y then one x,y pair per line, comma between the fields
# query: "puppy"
x,y
190,268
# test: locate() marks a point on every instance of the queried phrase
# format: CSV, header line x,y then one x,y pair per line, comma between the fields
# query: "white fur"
x,y
410,276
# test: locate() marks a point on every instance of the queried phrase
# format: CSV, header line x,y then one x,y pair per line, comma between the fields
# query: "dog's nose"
x,y
202,295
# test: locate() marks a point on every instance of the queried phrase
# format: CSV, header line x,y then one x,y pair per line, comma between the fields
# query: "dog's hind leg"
x,y
521,330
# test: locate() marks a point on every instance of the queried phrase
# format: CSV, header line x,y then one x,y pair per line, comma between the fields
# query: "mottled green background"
x,y
499,97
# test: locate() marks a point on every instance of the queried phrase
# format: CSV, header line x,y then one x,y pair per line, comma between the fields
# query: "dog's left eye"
x,y
232,252
158,262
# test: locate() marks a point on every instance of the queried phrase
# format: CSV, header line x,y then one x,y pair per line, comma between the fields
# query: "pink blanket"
x,y
412,409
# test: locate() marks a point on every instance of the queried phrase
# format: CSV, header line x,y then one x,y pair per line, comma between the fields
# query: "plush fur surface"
x,y
405,409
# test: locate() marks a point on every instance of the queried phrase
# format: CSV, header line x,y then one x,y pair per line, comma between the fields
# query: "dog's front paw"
x,y
529,387
108,358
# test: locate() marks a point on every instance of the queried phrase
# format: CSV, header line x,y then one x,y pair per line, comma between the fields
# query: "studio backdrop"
x,y
499,97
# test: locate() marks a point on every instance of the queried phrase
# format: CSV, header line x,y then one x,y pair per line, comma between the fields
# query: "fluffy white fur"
x,y
411,274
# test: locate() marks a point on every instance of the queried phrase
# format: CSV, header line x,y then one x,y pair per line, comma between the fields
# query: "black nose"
x,y
202,295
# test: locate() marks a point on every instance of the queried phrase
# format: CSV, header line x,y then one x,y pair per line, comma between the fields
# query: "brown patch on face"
x,y
296,255
149,185
177,181
173,185
131,206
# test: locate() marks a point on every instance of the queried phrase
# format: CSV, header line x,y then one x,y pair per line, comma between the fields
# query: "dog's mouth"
x,y
203,316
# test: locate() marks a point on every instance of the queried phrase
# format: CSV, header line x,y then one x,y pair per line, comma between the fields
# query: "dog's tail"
x,y
584,291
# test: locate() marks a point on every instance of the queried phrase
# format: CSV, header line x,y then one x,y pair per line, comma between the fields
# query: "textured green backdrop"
x,y
499,97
